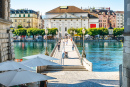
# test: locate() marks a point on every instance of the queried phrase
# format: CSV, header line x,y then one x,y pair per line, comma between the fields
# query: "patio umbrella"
x,y
19,76
41,56
37,62
12,65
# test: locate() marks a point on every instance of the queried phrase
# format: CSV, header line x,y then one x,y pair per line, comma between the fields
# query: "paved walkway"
x,y
72,59
79,78
83,79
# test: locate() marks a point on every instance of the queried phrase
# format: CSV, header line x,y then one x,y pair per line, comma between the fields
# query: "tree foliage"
x,y
103,31
93,31
78,31
20,31
20,26
118,31
52,31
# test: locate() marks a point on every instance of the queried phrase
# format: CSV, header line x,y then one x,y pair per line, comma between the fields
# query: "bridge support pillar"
x,y
126,49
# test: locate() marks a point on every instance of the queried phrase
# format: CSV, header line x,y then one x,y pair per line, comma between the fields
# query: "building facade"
x,y
119,19
105,15
26,18
65,17
6,45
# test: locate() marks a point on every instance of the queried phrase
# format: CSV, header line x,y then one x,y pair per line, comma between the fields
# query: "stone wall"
x,y
6,45
126,49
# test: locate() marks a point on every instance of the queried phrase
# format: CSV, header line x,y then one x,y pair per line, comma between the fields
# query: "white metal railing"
x,y
77,51
87,64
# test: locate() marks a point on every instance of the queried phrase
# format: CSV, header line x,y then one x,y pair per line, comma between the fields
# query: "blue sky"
x,y
47,5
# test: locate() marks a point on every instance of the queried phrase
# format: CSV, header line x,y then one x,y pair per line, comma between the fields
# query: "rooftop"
x,y
20,11
67,9
119,12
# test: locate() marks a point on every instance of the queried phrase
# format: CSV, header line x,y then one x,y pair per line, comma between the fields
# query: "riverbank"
x,y
55,40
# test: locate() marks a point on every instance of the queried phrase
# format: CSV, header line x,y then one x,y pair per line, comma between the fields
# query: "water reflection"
x,y
23,49
105,56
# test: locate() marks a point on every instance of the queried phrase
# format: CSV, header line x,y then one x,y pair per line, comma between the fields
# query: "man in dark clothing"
x,y
58,46
73,47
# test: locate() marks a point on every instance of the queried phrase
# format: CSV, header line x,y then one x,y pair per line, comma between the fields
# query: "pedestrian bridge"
x,y
74,57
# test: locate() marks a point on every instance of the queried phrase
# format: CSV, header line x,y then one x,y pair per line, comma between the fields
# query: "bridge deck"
x,y
73,58
79,78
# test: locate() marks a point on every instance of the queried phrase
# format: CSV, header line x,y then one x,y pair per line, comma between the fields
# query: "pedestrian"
x,y
67,42
71,39
73,47
58,46
63,53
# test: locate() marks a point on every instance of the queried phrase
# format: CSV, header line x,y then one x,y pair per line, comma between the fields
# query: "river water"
x,y
105,56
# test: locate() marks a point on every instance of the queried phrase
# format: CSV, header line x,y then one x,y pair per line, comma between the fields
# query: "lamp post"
x,y
46,52
74,35
110,29
83,52
71,32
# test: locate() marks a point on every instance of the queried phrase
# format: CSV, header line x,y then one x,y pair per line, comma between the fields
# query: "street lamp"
x,y
74,35
71,33
83,52
46,52
110,29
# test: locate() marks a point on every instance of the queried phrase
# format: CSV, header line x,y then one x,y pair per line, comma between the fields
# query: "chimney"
x,y
81,7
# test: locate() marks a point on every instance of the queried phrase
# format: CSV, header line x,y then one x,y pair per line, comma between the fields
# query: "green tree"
x,y
52,31
71,29
79,31
32,31
118,31
93,32
20,32
42,32
103,31
20,26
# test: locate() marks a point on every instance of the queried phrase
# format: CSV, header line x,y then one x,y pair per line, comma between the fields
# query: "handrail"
x,y
77,50
87,64
53,51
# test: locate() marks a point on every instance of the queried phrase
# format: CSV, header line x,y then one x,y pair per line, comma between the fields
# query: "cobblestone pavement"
x,y
83,79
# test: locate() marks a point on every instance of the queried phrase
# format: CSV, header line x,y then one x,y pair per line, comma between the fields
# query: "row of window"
x,y
105,20
19,15
104,25
120,23
66,24
120,14
17,20
71,20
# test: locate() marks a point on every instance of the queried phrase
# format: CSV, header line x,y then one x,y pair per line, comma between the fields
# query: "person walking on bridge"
x,y
73,47
58,46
